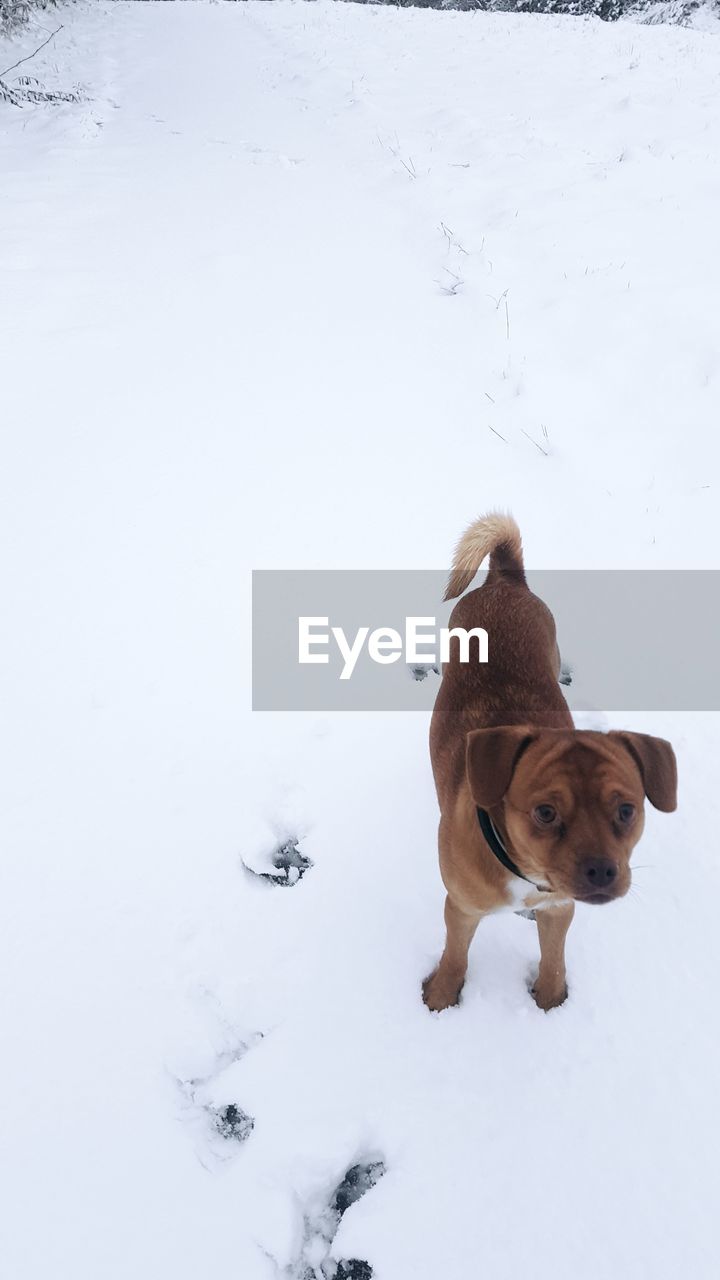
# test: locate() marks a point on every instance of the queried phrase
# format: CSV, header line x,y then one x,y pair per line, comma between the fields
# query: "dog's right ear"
x,y
490,760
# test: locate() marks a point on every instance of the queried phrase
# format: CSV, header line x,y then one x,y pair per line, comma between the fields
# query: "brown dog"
x,y
535,815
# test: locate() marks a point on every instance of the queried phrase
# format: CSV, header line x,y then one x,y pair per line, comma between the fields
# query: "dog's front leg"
x,y
443,987
553,923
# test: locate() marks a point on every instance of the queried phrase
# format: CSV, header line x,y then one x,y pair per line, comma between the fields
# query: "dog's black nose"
x,y
599,874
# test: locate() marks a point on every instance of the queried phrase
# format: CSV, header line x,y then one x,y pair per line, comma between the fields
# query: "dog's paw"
x,y
438,994
547,997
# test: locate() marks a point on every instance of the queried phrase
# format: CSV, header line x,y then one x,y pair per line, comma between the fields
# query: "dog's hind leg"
x,y
550,988
443,987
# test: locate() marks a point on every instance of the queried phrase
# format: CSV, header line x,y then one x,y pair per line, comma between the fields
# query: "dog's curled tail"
x,y
493,535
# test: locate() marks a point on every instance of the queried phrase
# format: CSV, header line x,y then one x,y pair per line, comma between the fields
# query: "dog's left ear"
x,y
655,759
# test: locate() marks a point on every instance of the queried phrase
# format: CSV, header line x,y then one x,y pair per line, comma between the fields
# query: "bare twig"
x,y
496,433
395,153
452,243
451,289
497,301
31,55
537,446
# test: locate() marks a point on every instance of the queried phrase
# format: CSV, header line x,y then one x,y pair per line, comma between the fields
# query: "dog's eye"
x,y
544,814
626,812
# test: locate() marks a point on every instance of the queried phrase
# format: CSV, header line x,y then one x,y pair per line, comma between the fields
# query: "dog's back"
x,y
519,683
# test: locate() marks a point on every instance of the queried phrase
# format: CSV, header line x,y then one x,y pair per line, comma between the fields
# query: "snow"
x,y
267,288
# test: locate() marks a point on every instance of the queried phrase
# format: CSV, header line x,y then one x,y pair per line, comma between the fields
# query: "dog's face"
x,y
572,801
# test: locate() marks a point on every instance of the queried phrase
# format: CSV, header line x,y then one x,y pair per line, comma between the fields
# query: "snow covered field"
x,y
312,285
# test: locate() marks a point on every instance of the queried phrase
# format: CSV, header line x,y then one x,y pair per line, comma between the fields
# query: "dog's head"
x,y
573,801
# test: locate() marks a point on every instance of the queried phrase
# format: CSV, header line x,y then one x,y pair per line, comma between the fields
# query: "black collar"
x,y
492,836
